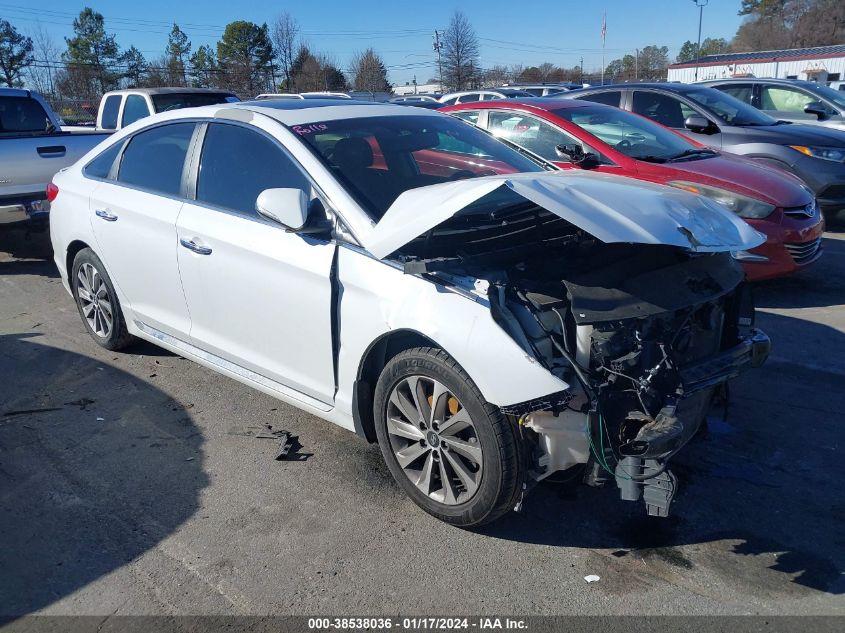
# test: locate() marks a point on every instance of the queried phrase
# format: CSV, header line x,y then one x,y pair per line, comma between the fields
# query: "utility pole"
x,y
581,77
437,47
637,65
700,4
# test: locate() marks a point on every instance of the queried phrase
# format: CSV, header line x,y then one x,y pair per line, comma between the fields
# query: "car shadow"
x,y
29,253
820,285
96,467
760,483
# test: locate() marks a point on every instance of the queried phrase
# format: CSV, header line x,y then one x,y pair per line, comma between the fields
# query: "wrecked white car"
x,y
402,274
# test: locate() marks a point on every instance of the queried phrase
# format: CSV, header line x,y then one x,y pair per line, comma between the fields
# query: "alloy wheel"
x,y
94,300
434,440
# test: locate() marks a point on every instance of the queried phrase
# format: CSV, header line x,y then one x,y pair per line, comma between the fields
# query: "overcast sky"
x,y
509,32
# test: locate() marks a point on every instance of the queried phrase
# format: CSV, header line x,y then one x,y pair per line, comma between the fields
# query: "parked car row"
x,y
488,319
720,121
586,135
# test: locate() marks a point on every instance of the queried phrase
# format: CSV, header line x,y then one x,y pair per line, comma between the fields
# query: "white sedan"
x,y
388,269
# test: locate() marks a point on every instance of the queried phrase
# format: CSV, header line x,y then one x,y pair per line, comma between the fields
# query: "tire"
x,y
95,297
440,470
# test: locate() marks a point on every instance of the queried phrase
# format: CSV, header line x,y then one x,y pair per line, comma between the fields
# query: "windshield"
x,y
731,110
176,101
22,115
628,133
830,94
378,158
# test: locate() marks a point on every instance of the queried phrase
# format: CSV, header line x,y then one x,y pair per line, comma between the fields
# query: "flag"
x,y
603,27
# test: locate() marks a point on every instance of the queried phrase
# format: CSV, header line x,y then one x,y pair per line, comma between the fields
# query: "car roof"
x,y
165,91
540,103
758,80
14,92
298,111
656,85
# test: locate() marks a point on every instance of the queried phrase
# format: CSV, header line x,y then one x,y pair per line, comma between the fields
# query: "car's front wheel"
x,y
97,301
456,455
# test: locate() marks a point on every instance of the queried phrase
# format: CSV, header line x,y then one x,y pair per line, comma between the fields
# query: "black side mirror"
x,y
698,123
576,155
817,108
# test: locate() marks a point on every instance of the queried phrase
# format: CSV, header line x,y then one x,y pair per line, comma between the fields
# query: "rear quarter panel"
x,y
70,220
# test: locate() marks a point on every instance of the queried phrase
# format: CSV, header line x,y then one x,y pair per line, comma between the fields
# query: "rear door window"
x,y
608,97
101,166
661,108
22,115
134,110
743,92
111,106
237,164
154,158
470,116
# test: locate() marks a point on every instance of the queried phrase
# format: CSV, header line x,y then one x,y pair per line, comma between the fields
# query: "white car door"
x,y
134,221
259,296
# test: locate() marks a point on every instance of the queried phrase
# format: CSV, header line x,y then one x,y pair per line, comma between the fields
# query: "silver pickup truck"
x,y
33,147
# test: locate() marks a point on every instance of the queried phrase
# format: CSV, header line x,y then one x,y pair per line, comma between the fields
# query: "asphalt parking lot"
x,y
134,483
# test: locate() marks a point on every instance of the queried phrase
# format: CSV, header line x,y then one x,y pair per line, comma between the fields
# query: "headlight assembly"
x,y
825,153
743,206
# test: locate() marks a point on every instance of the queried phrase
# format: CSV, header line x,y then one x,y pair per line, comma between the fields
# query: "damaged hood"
x,y
610,208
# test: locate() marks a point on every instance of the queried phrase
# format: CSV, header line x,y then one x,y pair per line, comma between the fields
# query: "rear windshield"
x,y
378,158
22,115
176,101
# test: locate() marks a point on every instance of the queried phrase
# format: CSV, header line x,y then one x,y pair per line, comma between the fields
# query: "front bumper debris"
x,y
752,351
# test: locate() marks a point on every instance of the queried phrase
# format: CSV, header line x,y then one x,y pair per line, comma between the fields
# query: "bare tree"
x,y
285,40
495,76
460,53
41,74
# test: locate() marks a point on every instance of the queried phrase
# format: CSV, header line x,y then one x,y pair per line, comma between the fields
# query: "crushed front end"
x,y
646,336
627,293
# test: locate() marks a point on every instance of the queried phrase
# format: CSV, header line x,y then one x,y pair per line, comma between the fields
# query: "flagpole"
x,y
603,38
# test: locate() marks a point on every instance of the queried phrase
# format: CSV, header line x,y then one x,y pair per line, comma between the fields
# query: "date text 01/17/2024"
x,y
417,623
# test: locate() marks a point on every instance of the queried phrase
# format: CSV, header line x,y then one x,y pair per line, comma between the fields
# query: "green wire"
x,y
601,460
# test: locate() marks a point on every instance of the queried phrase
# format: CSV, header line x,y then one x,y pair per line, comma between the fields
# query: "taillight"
x,y
52,192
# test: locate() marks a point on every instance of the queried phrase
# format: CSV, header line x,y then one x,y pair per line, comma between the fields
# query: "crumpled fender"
x,y
376,299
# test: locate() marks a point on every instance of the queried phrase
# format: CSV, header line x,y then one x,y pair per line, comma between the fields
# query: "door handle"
x,y
191,245
108,216
50,151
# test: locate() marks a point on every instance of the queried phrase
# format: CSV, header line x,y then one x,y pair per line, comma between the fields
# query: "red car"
x,y
580,134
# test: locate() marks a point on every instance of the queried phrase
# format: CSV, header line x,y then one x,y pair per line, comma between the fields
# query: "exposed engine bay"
x,y
645,335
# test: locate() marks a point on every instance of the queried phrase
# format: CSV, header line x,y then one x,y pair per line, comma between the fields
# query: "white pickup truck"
x,y
35,144
33,147
120,108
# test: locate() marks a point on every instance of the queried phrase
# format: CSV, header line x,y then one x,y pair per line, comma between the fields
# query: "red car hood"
x,y
746,176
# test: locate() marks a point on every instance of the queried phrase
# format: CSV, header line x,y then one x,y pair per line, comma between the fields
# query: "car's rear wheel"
x,y
97,301
455,454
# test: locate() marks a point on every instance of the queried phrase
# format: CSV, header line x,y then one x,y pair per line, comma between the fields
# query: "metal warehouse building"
x,y
822,64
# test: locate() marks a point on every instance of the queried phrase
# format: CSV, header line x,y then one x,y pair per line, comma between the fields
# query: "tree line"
x,y
248,59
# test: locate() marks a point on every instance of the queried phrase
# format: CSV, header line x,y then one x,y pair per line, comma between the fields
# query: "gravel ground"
x,y
135,485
